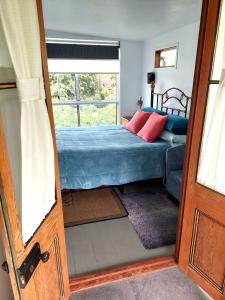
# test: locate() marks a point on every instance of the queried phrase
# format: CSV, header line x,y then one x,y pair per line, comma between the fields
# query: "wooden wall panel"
x,y
208,246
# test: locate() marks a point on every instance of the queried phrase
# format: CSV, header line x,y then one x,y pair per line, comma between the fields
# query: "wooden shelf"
x,y
10,85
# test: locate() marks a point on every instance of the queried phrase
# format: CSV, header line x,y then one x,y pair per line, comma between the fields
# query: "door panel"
x,y
49,280
210,172
47,270
206,255
202,254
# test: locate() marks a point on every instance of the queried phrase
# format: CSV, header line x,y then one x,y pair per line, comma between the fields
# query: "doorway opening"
x,y
117,213
109,225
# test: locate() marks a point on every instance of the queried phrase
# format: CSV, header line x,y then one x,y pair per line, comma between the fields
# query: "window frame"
x,y
158,56
77,101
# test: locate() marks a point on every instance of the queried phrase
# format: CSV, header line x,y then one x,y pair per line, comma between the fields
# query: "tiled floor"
x,y
170,284
96,246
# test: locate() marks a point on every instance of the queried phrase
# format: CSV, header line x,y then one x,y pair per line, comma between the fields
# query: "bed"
x,y
108,156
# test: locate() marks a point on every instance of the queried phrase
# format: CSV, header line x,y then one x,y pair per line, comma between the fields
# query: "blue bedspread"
x,y
106,155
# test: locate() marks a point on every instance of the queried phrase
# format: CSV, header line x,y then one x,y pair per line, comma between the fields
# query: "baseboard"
x,y
84,282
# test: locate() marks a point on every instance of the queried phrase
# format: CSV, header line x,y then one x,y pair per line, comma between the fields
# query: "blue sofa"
x,y
174,170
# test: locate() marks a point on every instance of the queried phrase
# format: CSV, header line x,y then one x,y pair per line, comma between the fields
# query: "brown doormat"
x,y
91,206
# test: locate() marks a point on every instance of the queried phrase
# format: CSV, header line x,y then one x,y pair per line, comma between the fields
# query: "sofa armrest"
x,y
174,158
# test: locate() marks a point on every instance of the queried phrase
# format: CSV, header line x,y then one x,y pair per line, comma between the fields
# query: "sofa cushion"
x,y
173,183
176,176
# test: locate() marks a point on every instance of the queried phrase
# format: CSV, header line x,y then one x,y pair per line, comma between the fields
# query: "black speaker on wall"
x,y
150,77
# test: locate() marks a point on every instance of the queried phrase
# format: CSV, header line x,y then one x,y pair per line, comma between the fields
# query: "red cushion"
x,y
138,121
153,127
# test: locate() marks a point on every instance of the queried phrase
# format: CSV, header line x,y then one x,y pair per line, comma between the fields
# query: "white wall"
x,y
131,60
5,287
181,76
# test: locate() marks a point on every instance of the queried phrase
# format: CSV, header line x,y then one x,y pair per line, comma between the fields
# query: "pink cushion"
x,y
153,127
138,121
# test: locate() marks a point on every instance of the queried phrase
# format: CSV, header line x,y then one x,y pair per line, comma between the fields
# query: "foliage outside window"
x,y
166,57
85,99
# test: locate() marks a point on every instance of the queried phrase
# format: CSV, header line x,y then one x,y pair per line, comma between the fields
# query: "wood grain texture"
x,y
61,233
208,246
195,196
119,273
157,59
201,39
54,275
52,289
8,253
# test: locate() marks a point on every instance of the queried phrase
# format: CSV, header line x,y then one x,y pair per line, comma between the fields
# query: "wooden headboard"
x,y
173,101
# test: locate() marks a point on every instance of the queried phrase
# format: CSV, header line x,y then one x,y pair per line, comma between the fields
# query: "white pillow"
x,y
173,138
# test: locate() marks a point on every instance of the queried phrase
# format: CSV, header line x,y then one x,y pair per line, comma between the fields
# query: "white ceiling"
x,y
120,19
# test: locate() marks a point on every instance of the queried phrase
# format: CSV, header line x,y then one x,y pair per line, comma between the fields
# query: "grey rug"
x,y
153,215
171,284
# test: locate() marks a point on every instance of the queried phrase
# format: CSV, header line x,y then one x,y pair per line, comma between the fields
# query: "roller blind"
x,y
77,51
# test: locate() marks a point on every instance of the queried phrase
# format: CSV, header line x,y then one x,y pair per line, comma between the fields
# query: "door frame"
x,y
148,266
5,234
201,38
10,227
112,274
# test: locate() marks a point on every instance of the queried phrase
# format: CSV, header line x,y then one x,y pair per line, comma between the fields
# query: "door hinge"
x,y
29,265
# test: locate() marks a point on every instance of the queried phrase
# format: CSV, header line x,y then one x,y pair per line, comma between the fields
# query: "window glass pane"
x,y
97,86
99,114
108,86
62,87
209,113
65,116
168,58
218,56
212,159
89,87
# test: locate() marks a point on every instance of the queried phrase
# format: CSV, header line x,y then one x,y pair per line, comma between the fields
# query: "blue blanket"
x,y
106,155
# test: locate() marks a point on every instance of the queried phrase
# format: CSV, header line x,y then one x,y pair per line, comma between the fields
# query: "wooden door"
x,y
44,275
202,248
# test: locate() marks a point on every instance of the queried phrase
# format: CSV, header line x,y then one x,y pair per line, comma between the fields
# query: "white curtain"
x,y
20,25
212,156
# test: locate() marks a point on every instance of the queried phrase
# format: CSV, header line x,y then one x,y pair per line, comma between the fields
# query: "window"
x,y
211,160
84,82
84,99
166,57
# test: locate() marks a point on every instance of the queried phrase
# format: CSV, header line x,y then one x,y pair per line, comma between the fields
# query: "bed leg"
x,y
121,189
